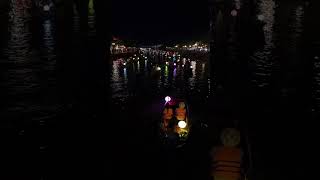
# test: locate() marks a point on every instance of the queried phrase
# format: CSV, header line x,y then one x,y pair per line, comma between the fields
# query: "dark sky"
x,y
160,19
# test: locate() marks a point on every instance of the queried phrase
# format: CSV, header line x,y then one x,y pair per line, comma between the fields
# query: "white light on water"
x,y
234,13
46,8
260,17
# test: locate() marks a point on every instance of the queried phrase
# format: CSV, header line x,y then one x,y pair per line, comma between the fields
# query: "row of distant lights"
x,y
138,58
158,68
196,45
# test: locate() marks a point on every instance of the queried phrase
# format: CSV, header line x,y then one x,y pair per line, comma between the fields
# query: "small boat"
x,y
175,122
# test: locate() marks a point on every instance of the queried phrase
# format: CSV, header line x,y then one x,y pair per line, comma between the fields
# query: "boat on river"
x,y
175,122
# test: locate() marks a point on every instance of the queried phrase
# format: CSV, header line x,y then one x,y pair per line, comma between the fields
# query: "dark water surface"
x,y
283,84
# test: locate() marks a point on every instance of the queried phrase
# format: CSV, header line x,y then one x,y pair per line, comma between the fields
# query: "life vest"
x,y
181,113
226,163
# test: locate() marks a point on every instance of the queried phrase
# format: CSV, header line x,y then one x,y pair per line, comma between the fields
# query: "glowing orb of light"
x,y
182,124
260,17
234,13
124,63
167,63
174,64
167,98
158,68
46,7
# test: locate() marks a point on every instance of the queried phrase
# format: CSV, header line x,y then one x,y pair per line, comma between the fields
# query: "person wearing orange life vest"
x,y
181,112
227,159
167,115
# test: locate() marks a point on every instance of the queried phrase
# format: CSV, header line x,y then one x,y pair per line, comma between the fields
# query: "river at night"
x,y
279,82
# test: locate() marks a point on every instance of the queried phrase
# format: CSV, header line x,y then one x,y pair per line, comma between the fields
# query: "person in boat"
x,y
172,124
181,112
167,115
173,135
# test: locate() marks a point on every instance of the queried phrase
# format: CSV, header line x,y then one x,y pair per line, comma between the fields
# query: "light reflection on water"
x,y
76,19
282,52
170,79
264,60
316,87
19,77
91,19
48,48
29,75
119,81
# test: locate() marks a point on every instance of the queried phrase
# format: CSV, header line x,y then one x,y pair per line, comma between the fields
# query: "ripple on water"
x,y
27,71
316,85
263,60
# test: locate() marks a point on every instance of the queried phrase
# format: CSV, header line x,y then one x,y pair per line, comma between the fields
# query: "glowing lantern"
x,y
182,124
46,7
260,17
234,13
167,98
